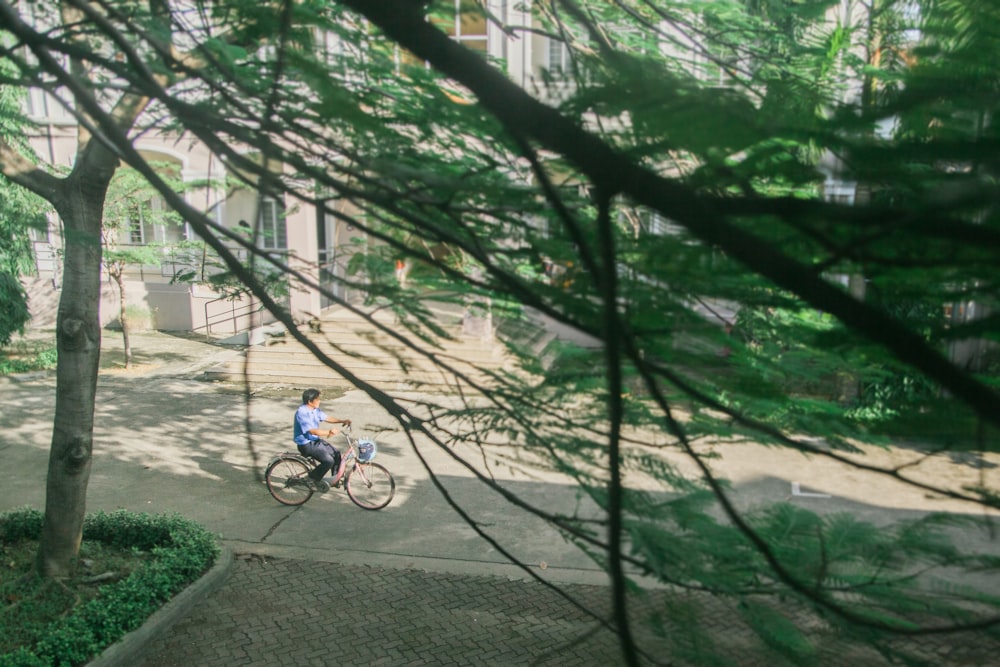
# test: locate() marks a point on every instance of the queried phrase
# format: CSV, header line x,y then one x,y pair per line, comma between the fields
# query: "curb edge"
x,y
129,649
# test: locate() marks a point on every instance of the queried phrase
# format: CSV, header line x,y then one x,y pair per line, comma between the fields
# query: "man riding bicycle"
x,y
309,436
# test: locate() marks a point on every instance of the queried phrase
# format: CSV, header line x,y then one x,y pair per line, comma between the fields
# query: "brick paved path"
x,y
284,612
274,611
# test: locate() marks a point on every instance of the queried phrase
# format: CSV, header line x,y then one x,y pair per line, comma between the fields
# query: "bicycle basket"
x,y
366,449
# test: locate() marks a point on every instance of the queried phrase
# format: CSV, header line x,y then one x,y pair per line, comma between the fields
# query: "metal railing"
x,y
232,315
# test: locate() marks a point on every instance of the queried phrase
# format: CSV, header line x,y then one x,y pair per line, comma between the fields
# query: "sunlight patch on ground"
x,y
133,370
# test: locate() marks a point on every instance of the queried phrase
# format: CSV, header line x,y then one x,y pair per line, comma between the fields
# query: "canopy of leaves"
x,y
663,195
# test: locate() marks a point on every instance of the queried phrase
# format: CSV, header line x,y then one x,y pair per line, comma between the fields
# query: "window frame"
x,y
272,233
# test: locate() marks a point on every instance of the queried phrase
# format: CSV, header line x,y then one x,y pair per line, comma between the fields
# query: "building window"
x,y
839,192
330,45
465,22
652,223
271,229
556,56
719,66
151,222
136,233
656,224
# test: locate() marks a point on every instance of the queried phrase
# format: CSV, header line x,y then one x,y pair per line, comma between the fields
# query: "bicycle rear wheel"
x,y
370,486
287,480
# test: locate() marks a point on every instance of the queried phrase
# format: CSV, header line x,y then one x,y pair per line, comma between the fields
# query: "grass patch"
x,y
129,566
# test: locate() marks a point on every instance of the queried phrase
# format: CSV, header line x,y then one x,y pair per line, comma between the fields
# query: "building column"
x,y
303,255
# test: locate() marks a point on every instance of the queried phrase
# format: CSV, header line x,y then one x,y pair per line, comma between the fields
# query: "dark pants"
x,y
325,453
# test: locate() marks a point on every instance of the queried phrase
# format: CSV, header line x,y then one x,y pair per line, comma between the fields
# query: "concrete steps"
x,y
370,354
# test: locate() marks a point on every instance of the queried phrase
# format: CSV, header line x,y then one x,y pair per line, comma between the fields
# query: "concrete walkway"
x,y
329,583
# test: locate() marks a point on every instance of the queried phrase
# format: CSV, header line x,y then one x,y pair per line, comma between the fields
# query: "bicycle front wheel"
x,y
370,486
287,480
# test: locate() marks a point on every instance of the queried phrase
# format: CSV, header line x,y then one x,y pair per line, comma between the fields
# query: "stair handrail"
x,y
232,315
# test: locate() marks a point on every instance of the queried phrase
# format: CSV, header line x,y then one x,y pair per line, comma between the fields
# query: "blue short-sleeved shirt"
x,y
307,418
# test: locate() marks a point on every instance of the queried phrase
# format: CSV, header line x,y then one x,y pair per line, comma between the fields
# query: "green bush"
x,y
44,359
180,551
20,524
14,313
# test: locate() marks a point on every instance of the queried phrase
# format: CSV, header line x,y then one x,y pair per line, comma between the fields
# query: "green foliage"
x,y
50,626
805,354
752,216
942,424
779,632
20,212
14,313
21,524
43,359
888,392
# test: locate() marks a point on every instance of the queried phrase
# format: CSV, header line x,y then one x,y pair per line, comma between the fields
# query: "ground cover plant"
x,y
26,356
130,564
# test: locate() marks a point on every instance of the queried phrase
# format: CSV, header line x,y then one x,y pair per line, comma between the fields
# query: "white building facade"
x,y
312,243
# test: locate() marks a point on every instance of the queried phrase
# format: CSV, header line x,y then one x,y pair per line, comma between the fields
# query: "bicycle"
x,y
369,485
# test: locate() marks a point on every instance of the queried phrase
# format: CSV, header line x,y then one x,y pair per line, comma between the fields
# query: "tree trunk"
x,y
78,341
117,275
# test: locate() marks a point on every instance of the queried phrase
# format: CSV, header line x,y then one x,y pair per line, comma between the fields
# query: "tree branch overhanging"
x,y
607,169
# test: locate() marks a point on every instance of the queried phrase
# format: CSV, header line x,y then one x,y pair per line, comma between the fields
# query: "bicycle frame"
x,y
352,455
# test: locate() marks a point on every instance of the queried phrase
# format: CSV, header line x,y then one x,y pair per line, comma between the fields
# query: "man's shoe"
x,y
321,486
